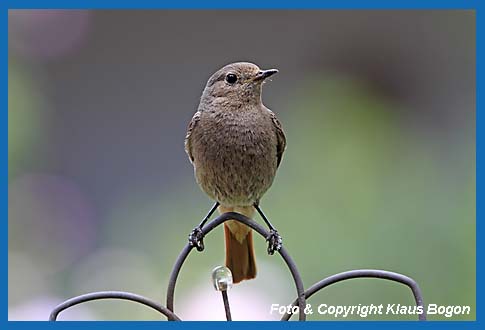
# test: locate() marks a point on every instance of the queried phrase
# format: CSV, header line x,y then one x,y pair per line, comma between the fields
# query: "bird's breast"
x,y
234,156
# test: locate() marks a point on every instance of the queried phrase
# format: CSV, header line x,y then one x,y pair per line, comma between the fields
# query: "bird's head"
x,y
237,84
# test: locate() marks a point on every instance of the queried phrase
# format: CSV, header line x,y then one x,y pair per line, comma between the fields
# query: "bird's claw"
x,y
275,242
196,239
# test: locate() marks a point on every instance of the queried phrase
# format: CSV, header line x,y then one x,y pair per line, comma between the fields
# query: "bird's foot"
x,y
196,239
275,242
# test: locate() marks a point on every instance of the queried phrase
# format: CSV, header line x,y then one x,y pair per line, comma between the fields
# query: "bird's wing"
x,y
280,135
188,140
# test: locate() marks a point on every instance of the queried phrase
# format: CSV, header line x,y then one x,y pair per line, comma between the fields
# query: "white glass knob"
x,y
222,278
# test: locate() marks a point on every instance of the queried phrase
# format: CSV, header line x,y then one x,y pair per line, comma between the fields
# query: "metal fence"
x,y
196,241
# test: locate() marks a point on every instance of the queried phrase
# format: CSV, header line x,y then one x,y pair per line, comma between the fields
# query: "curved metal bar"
x,y
174,275
259,229
111,295
367,273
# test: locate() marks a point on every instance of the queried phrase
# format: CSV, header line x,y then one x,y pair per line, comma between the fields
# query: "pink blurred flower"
x,y
47,34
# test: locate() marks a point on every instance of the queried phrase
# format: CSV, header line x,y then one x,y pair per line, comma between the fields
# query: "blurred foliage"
x,y
375,197
26,119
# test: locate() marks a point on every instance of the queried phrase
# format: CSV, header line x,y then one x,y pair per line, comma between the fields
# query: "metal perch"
x,y
301,294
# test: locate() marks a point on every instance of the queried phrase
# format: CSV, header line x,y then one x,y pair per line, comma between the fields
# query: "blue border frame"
x,y
238,4
247,4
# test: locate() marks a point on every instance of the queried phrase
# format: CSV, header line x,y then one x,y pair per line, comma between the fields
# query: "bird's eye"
x,y
231,78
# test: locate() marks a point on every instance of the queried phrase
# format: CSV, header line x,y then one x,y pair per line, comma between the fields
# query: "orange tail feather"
x,y
240,255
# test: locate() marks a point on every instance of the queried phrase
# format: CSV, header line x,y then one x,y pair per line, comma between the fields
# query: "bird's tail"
x,y
240,257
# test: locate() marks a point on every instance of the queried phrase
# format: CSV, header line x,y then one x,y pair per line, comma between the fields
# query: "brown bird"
x,y
235,144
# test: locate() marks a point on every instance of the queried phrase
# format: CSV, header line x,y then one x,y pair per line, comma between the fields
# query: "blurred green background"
x,y
378,109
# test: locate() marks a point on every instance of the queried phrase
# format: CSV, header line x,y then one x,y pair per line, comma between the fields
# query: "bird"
x,y
235,145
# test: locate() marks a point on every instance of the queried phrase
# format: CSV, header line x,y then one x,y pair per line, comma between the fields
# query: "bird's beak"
x,y
263,74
